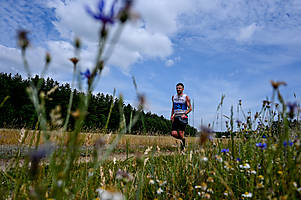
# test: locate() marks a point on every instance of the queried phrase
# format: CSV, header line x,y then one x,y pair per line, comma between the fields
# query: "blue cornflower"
x,y
225,150
261,145
290,143
86,74
263,136
238,159
100,14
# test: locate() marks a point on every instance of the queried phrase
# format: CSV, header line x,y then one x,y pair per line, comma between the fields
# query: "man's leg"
x,y
182,138
175,134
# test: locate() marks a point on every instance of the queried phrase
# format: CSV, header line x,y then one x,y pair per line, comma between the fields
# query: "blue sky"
x,y
214,47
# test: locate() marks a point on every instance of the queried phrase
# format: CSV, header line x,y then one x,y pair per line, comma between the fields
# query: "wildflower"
x,y
275,85
261,145
161,183
197,187
107,195
100,15
286,143
77,43
210,190
210,179
280,172
261,177
204,159
225,150
260,185
253,172
122,175
47,58
219,158
226,193
205,135
227,166
292,107
125,13
151,182
86,74
159,191
23,41
238,159
207,196
36,156
59,183
245,166
203,186
247,195
74,60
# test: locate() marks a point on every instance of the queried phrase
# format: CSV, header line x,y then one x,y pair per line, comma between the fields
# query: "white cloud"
x,y
247,32
169,63
159,19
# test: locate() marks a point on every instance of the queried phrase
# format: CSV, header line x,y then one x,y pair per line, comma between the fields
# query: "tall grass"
x,y
261,160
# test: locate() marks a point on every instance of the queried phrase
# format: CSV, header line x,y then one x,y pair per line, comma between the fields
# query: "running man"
x,y
181,106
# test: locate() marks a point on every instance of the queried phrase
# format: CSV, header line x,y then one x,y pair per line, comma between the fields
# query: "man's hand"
x,y
184,116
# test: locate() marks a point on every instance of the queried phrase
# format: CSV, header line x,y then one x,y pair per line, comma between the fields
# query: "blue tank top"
x,y
179,104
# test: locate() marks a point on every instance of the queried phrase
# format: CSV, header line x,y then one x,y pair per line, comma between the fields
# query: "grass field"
x,y
218,170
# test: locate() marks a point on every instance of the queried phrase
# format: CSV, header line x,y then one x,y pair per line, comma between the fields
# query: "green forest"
x,y
17,110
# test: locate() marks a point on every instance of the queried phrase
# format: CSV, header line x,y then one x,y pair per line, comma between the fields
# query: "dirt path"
x,y
8,153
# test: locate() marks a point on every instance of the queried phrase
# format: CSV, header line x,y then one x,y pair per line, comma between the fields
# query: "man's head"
x,y
180,88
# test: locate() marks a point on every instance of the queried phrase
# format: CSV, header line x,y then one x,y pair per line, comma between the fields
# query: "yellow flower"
x,y
260,185
280,172
261,177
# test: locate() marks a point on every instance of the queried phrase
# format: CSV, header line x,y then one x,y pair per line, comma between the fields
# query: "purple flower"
x,y
261,145
99,15
225,150
292,107
286,143
86,74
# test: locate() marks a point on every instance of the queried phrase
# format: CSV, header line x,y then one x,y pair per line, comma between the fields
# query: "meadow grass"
x,y
261,160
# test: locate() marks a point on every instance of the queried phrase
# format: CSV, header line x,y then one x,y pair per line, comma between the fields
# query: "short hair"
x,y
181,84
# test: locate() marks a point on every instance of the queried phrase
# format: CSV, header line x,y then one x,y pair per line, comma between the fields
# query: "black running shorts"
x,y
179,124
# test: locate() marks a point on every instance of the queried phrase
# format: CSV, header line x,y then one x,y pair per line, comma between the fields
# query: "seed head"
x,y
23,41
77,43
276,84
74,60
47,58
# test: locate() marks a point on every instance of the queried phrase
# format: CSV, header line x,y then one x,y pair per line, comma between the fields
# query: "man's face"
x,y
179,89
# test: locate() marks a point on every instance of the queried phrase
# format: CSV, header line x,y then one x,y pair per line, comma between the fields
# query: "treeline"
x,y
18,111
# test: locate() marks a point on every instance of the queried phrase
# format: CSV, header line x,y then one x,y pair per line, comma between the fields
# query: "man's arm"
x,y
172,110
189,109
